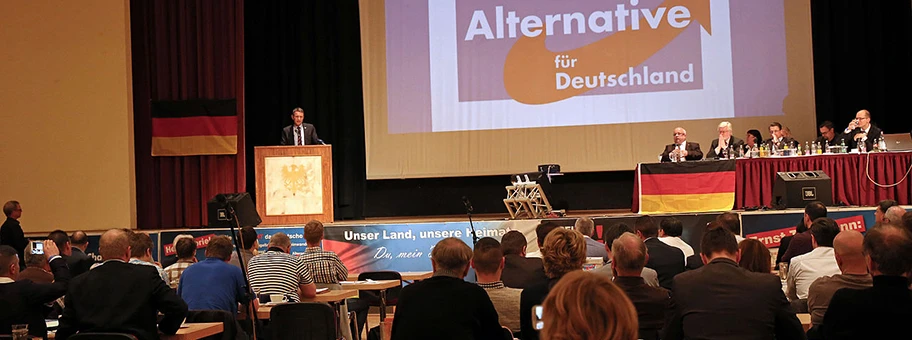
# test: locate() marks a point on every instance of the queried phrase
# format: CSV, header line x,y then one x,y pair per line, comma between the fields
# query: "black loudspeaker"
x,y
244,209
798,188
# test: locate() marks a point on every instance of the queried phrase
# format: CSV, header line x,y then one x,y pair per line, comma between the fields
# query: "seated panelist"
x,y
688,150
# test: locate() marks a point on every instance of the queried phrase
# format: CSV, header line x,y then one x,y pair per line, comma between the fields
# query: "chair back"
x,y
392,294
231,328
307,321
102,336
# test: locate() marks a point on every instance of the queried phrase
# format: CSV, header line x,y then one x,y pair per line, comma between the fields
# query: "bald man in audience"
x,y
689,150
884,310
276,271
894,215
653,304
907,221
488,262
610,234
854,274
120,297
821,261
446,306
594,248
724,301
78,261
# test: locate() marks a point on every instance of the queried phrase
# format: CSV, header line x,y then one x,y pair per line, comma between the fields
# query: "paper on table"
x,y
351,282
322,290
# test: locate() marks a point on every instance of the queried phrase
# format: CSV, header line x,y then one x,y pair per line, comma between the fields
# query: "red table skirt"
x,y
851,184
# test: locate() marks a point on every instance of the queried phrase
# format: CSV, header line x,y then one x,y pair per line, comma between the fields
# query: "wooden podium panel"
x,y
294,184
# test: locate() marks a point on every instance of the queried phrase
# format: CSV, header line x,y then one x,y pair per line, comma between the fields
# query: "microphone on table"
x,y
321,142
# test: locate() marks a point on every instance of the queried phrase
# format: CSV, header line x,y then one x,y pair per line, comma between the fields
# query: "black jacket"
x,y
873,134
444,307
666,260
879,312
79,262
693,152
124,298
309,138
522,272
736,143
23,302
724,301
11,235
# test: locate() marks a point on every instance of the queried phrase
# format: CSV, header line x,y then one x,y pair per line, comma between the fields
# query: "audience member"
x,y
564,251
445,306
653,305
801,243
609,235
520,271
276,271
185,248
696,261
882,311
907,221
327,271
667,261
488,261
755,257
785,241
821,261
119,297
724,301
594,248
213,284
881,210
141,253
732,222
580,298
37,267
11,233
725,140
541,231
62,241
24,301
670,231
894,215
850,257
688,150
247,237
78,261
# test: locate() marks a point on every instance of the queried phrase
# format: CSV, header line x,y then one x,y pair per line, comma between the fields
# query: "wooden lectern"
x,y
294,184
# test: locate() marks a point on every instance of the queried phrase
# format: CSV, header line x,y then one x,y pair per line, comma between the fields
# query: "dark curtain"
x,y
184,49
863,60
308,54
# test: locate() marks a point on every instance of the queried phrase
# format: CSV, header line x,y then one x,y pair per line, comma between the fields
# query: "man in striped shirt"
x,y
325,266
278,272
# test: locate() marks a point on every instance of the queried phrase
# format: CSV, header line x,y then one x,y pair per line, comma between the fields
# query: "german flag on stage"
x,y
686,187
194,127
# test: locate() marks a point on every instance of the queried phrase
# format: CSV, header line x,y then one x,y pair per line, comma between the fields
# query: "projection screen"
x,y
480,87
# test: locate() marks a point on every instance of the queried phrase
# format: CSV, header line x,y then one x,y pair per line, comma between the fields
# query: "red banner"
x,y
772,238
201,242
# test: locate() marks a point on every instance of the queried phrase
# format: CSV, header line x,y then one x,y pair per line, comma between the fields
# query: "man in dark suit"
x,y
689,150
520,271
777,138
78,261
445,306
828,135
882,311
299,133
717,149
861,130
666,260
120,297
11,232
653,305
24,301
724,301
801,244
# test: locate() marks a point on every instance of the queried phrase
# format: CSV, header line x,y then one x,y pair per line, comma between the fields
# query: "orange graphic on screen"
x,y
530,68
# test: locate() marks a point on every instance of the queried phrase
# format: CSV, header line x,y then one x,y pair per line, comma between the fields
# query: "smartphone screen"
x,y
37,248
537,317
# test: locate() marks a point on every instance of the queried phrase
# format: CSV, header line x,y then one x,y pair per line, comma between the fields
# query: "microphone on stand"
x,y
469,210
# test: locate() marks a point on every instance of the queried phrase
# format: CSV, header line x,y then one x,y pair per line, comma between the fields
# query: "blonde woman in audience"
x,y
579,299
563,251
755,257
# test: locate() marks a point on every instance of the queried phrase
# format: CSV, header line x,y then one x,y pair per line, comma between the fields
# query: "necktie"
x,y
300,134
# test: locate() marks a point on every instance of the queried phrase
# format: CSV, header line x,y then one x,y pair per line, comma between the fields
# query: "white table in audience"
x,y
189,331
406,276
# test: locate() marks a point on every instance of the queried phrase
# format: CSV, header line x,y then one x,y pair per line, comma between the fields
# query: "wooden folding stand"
x,y
526,200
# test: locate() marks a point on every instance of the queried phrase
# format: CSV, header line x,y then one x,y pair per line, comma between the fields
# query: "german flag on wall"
x,y
194,127
686,187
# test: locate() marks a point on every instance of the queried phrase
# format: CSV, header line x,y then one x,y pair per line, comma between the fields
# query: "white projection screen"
x,y
480,87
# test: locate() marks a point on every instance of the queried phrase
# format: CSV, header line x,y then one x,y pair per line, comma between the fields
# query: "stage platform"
x,y
404,244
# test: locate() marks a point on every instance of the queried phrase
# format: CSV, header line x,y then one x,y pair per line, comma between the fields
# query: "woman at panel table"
x,y
753,138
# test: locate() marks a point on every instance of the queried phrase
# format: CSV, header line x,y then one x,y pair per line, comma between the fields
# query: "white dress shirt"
x,y
677,242
804,269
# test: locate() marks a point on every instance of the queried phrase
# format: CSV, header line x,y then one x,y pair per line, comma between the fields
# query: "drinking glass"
x,y
783,270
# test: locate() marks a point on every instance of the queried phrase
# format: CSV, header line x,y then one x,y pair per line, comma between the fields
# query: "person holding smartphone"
x,y
24,301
